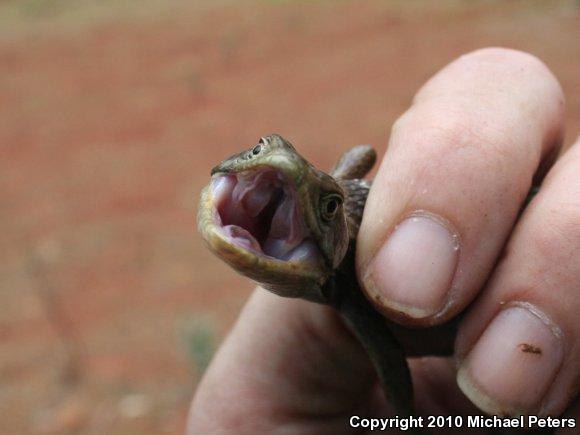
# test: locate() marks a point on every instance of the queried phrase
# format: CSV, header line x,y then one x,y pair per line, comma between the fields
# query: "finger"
x,y
520,343
459,165
287,362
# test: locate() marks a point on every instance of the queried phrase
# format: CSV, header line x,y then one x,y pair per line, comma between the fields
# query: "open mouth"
x,y
258,210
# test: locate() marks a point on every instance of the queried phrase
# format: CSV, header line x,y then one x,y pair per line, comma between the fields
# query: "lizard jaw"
x,y
258,211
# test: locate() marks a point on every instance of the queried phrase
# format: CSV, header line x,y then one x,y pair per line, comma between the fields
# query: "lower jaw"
x,y
262,268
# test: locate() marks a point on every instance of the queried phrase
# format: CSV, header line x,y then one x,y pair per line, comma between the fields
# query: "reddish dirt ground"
x,y
112,114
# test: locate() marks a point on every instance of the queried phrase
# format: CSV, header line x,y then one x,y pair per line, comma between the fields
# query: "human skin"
x,y
441,235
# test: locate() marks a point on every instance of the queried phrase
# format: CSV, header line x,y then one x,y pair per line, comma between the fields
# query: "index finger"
x,y
459,165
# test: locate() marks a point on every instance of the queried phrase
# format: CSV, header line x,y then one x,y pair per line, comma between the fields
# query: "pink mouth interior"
x,y
258,210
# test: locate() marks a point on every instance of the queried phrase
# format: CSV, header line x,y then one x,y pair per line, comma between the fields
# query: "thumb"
x,y
286,362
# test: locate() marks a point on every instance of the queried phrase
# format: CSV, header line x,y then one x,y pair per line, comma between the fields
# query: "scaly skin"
x,y
332,280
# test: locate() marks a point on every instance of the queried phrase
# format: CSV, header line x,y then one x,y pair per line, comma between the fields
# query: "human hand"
x,y
444,203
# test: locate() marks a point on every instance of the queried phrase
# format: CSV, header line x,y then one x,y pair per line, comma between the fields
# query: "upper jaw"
x,y
256,217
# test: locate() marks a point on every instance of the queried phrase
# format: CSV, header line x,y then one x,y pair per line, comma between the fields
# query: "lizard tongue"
x,y
286,231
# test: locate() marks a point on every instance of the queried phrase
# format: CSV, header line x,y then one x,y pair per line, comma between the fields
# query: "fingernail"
x,y
512,365
413,270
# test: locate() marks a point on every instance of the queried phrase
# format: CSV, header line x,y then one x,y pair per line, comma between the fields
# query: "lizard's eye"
x,y
330,205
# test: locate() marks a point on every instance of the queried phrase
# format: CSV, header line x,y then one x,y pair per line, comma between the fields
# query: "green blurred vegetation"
x,y
200,339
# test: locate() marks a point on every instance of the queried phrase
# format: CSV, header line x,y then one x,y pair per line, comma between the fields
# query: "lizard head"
x,y
275,218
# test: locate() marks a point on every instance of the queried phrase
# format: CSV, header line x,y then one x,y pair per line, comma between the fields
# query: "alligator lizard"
x,y
292,228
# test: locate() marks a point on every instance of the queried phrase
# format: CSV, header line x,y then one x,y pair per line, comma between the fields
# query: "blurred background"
x,y
112,113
